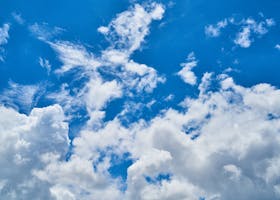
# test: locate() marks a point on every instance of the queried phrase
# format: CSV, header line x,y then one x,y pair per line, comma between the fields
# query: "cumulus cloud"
x,y
186,72
222,144
25,141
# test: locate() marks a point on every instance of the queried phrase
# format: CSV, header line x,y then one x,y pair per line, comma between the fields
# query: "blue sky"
x,y
139,99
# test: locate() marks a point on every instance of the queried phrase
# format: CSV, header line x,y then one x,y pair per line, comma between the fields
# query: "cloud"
x,y
4,36
125,33
18,18
25,141
243,38
22,97
222,144
186,72
128,30
249,29
44,32
215,30
44,63
73,55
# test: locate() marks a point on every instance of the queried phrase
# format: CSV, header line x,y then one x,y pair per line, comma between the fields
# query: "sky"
x,y
139,100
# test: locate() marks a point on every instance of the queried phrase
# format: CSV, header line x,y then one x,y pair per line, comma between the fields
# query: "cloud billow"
x,y
222,144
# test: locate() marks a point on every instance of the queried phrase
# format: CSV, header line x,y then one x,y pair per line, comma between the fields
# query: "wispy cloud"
x,y
19,96
4,36
18,18
125,34
44,63
44,32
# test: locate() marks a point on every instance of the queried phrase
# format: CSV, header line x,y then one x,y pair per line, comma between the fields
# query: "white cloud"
x,y
186,72
104,30
243,38
277,46
73,55
169,97
4,34
223,144
128,30
24,140
215,30
44,32
21,96
44,63
249,29
234,156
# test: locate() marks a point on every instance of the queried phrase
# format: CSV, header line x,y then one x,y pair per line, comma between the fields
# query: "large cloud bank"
x,y
223,144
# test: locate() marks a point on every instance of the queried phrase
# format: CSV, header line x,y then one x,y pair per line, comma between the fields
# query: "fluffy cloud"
x,y
222,144
25,140
73,55
129,29
186,72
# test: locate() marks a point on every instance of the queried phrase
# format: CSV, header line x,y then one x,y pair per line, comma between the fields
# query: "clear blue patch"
x,y
119,166
158,179
272,116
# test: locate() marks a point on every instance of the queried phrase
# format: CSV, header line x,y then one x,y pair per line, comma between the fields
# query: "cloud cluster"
x,y
26,142
249,29
222,144
125,33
